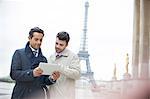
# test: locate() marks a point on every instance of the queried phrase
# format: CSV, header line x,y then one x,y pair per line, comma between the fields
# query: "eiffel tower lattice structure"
x,y
83,52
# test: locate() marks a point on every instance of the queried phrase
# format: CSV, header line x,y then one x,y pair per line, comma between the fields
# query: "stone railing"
x,y
128,89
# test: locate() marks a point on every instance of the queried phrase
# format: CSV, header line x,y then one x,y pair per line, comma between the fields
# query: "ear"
x,y
29,37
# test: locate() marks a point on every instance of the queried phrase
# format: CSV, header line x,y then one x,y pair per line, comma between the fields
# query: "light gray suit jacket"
x,y
64,88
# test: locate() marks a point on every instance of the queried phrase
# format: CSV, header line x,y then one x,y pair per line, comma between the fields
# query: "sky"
x,y
110,27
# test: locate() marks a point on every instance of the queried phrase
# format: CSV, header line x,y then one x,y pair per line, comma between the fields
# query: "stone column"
x,y
144,39
135,46
114,78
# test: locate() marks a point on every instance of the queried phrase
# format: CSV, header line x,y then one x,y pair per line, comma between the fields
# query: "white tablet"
x,y
49,68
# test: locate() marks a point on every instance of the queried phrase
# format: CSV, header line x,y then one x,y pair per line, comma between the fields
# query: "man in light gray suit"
x,y
64,88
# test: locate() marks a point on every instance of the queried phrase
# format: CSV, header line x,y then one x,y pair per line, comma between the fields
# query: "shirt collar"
x,y
36,50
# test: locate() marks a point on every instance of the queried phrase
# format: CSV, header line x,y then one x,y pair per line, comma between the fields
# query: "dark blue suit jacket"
x,y
27,86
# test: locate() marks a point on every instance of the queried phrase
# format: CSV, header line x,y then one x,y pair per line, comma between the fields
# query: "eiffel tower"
x,y
83,52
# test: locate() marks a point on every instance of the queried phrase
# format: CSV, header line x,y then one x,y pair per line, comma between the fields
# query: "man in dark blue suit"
x,y
30,83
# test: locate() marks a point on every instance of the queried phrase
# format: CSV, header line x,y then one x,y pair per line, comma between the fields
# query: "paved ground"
x,y
81,93
129,90
89,94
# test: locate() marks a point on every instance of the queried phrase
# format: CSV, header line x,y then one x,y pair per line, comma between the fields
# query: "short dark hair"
x,y
35,29
63,36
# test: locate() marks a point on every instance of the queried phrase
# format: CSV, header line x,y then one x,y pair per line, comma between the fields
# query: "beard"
x,y
58,50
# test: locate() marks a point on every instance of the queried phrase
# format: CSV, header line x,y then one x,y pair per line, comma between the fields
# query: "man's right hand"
x,y
37,72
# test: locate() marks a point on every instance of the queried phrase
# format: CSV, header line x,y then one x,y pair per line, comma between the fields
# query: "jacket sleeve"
x,y
73,71
48,80
16,72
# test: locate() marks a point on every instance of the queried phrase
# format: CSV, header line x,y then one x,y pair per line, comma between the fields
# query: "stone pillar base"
x,y
126,76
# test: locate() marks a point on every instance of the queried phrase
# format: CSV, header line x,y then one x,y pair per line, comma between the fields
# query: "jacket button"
x,y
28,72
